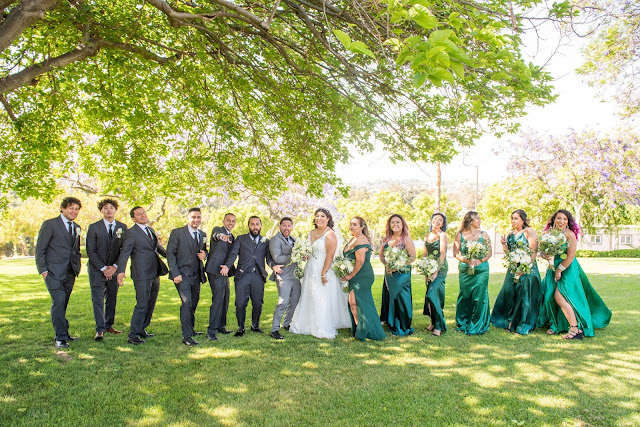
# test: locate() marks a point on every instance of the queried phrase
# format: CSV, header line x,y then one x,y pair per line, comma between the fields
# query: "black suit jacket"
x,y
249,255
102,250
182,254
218,252
56,250
144,253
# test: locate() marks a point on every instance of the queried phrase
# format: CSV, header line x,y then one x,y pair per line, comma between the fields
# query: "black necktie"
x,y
149,233
110,230
70,228
195,236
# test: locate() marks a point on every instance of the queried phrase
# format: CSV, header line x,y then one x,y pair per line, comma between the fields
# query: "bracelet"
x,y
561,267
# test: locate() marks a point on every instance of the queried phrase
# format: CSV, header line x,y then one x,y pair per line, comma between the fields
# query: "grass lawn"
x,y
494,379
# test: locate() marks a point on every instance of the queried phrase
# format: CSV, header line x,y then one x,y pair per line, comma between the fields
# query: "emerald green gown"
x,y
591,312
518,303
472,308
400,302
434,298
368,321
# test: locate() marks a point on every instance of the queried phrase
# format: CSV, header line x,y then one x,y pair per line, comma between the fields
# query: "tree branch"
x,y
7,107
21,17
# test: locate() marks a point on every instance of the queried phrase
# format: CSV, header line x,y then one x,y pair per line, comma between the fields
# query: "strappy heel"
x,y
571,335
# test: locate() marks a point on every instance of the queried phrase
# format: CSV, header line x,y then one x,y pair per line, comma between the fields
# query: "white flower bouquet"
x,y
397,259
343,266
427,266
551,244
518,260
476,250
299,255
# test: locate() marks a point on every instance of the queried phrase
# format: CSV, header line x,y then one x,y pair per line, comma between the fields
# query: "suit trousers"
x,y
288,296
104,295
60,291
219,303
249,285
146,296
189,291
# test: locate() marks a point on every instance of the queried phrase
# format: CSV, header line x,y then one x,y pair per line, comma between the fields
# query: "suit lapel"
x,y
146,237
192,241
104,232
65,230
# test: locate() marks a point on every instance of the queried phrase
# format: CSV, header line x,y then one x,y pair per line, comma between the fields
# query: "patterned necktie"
x,y
110,230
149,233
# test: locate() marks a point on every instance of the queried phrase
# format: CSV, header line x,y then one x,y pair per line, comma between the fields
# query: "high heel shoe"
x,y
571,335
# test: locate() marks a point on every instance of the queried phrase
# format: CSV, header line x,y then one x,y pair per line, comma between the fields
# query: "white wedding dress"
x,y
322,309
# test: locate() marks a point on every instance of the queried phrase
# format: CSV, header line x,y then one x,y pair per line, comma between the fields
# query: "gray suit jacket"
x,y
249,255
102,250
143,251
182,254
218,252
56,251
281,255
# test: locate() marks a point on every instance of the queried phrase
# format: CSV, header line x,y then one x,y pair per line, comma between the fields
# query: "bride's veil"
x,y
340,247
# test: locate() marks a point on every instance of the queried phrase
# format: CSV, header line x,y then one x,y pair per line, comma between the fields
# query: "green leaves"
x,y
355,47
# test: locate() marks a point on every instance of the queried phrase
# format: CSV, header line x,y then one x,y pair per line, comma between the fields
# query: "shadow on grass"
x,y
494,379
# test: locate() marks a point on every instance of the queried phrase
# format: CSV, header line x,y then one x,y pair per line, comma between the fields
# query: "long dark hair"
x,y
405,231
365,227
444,224
571,223
466,221
523,216
327,213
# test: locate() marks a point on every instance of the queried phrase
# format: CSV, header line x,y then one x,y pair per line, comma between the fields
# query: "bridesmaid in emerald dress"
x,y
364,317
435,244
398,283
472,308
518,304
571,304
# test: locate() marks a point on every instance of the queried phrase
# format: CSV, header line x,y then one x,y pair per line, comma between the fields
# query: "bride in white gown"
x,y
322,308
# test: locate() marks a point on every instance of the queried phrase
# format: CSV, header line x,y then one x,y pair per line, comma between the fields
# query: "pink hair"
x,y
405,231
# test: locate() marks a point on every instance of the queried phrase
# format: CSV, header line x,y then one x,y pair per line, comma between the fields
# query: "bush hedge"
x,y
620,253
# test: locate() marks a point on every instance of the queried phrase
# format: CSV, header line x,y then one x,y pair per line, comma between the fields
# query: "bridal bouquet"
x,y
551,244
518,260
428,266
476,250
343,266
397,259
299,254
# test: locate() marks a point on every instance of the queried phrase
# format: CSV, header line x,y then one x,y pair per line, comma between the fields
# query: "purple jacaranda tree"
x,y
595,175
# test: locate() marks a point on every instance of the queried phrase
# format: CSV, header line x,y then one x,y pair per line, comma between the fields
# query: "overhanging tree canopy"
x,y
199,97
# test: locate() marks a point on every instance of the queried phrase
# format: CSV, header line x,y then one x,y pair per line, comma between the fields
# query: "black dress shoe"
x,y
225,331
286,328
62,344
196,333
72,339
189,341
239,333
146,334
135,341
258,330
276,335
212,337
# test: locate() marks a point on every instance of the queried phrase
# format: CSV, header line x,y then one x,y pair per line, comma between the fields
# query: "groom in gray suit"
x,y
252,250
141,244
185,252
280,247
58,261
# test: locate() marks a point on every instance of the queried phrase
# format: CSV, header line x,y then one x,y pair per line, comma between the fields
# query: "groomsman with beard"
x,y
185,252
104,239
280,247
141,244
252,252
58,261
221,240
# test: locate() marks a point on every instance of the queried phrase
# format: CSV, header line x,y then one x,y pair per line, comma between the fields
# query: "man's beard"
x,y
254,234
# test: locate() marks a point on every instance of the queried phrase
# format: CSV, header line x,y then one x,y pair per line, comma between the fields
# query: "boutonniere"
x,y
78,230
264,239
119,233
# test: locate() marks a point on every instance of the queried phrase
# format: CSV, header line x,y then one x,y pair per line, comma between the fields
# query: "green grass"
x,y
494,379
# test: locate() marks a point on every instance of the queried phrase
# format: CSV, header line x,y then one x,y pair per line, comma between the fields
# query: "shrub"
x,y
620,253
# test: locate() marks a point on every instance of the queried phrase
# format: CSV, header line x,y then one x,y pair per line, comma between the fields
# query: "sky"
x,y
578,107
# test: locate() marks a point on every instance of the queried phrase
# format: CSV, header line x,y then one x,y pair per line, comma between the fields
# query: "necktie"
x,y
110,230
289,240
149,233
70,228
257,239
195,236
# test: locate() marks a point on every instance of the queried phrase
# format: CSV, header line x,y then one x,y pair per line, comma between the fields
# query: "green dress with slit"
x,y
591,312
434,298
368,321
400,312
472,308
518,303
